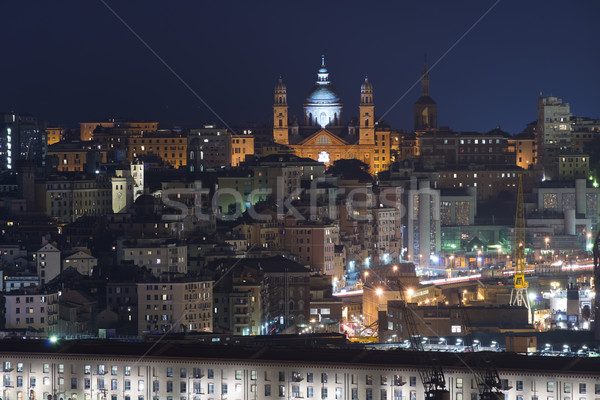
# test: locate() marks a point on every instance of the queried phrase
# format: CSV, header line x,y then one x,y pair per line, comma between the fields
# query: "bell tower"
x,y
280,114
367,114
425,107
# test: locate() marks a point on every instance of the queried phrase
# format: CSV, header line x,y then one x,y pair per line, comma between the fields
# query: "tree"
x,y
350,169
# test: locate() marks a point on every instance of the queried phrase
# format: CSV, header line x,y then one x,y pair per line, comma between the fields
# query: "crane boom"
x,y
489,384
430,370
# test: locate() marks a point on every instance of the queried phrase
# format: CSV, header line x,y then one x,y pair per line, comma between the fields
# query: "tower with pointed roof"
x,y
366,110
425,106
280,114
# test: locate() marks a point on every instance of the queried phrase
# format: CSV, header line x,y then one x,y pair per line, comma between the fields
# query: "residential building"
x,y
183,306
313,243
159,256
170,147
573,166
81,261
68,198
209,147
32,309
241,146
86,129
54,134
47,262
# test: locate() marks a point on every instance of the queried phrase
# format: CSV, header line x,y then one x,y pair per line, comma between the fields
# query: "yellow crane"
x,y
518,295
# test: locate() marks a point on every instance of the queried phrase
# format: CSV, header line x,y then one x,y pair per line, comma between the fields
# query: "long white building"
x,y
172,370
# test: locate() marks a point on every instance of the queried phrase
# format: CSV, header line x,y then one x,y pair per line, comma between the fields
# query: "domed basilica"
x,y
323,136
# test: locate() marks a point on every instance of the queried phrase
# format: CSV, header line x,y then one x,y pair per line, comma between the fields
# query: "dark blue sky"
x,y
73,61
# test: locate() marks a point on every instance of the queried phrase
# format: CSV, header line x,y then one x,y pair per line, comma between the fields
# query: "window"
x,y
369,394
127,370
567,387
74,383
140,386
169,386
19,367
267,390
211,374
324,393
127,384
413,381
238,374
224,388
46,368
309,377
310,392
369,379
87,369
114,370
281,376
113,384
550,386
281,391
323,378
338,393
383,394
211,388
182,387
519,385
170,372
597,388
582,388
459,383
155,386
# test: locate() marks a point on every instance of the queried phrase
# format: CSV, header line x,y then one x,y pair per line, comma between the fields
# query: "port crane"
x,y
430,370
518,295
489,384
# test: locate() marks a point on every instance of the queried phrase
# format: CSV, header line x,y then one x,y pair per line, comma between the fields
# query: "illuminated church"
x,y
322,134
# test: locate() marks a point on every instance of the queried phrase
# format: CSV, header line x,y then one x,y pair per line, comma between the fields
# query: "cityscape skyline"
x,y
509,76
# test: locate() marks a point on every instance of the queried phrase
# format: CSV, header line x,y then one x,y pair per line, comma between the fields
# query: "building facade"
x,y
196,372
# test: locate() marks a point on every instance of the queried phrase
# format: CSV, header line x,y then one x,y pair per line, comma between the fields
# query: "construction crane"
x,y
489,384
518,295
430,370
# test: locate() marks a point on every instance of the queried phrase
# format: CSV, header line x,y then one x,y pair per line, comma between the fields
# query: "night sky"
x,y
73,60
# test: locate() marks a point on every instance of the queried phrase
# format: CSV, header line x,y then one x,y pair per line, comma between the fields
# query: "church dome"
x,y
323,106
323,94
323,91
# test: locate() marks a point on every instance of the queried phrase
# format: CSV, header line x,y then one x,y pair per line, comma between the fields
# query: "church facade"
x,y
323,135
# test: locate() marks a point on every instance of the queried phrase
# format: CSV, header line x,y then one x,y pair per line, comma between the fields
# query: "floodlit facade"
x,y
221,373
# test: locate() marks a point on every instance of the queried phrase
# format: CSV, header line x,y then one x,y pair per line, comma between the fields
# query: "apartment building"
x,y
32,309
185,306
